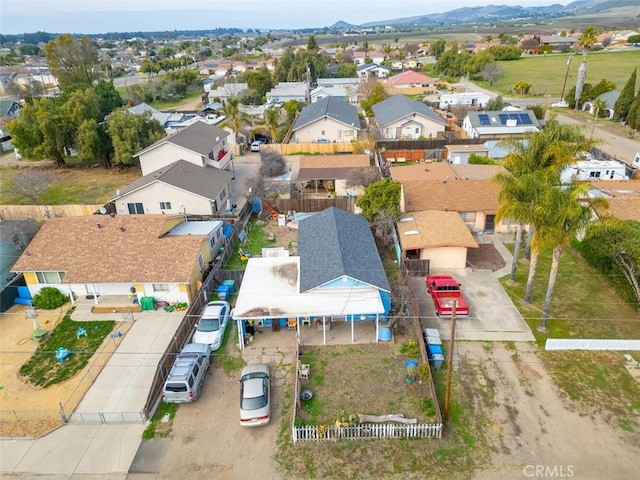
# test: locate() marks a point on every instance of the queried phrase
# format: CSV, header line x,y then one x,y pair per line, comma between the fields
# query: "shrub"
x,y
49,298
410,349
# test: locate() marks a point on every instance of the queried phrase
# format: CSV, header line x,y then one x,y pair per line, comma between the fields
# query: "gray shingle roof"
x,y
398,106
329,107
199,137
333,243
204,181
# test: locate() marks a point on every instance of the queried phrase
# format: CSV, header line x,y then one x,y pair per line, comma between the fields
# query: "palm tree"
x,y
564,213
585,42
537,162
235,118
516,198
272,119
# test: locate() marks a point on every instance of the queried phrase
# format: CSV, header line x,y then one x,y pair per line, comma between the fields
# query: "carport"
x,y
270,292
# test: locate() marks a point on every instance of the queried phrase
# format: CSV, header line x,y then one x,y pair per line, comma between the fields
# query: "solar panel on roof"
x,y
503,118
525,119
484,119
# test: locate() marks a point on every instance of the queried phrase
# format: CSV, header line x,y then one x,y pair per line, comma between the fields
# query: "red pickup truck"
x,y
444,290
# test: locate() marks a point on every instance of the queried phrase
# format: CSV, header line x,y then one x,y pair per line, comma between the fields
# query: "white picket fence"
x,y
315,433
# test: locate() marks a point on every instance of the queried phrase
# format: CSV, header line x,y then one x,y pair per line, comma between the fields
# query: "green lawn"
x,y
585,305
546,72
43,369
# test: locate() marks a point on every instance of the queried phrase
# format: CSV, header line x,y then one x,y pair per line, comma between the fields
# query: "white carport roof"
x,y
271,289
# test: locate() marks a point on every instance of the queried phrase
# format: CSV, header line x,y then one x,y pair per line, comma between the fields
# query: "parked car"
x,y
255,395
444,290
560,104
212,324
185,379
255,146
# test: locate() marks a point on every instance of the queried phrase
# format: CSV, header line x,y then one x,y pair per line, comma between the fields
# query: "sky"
x,y
103,16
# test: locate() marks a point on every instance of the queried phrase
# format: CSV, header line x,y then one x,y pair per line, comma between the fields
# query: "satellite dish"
x,y
102,210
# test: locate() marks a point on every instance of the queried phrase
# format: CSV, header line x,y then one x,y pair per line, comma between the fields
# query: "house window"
x,y
200,261
468,216
322,133
165,205
135,208
417,130
50,277
223,193
594,174
161,287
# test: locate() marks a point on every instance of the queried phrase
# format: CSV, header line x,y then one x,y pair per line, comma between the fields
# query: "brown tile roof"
x,y
476,172
453,195
617,187
320,167
422,171
624,208
321,161
124,249
429,229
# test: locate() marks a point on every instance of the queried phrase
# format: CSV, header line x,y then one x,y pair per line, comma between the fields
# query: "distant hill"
x,y
497,13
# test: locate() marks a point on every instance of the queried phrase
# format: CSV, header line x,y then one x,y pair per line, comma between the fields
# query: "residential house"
x,y
399,117
15,235
330,173
337,277
558,43
10,107
167,120
441,237
372,70
178,188
210,81
345,93
465,99
327,120
443,172
285,91
411,79
200,143
459,154
6,80
156,256
475,200
226,91
592,169
500,124
609,99
623,36
623,197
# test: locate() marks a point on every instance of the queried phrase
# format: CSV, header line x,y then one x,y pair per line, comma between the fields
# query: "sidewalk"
x,y
79,449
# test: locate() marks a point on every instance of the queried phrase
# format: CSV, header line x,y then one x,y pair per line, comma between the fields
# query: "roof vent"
x,y
407,219
412,232
122,229
98,225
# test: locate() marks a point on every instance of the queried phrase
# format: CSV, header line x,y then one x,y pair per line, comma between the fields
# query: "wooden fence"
x,y
310,148
43,212
318,433
312,204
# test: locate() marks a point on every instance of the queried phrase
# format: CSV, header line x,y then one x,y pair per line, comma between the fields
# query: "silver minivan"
x,y
184,382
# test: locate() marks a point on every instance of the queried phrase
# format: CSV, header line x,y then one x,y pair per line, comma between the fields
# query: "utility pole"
x,y
447,395
566,75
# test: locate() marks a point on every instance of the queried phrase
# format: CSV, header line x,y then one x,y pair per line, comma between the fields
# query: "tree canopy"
x,y
382,197
73,60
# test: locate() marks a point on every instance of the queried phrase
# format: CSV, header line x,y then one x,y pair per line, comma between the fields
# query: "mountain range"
x,y
501,13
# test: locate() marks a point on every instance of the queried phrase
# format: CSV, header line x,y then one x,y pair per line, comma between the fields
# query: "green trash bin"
x,y
147,303
232,286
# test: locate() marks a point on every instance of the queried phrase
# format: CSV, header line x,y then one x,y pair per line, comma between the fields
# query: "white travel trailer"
x,y
466,99
595,170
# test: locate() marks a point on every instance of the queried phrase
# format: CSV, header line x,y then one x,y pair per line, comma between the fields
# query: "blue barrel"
x,y
384,334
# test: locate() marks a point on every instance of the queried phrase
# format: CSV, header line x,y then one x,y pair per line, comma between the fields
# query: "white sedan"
x,y
560,104
212,324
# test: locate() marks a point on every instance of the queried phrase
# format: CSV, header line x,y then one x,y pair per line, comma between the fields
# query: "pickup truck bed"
x,y
444,290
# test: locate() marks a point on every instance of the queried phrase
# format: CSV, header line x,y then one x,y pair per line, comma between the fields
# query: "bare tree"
x,y
31,184
273,163
362,177
491,72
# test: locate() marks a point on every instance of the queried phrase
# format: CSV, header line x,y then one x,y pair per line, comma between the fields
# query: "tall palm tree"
x,y
564,213
235,118
516,199
585,42
537,161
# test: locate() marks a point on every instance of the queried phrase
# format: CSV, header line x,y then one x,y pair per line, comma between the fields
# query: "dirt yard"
x,y
29,411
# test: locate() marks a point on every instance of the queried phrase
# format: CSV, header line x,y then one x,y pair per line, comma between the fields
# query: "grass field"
x,y
546,72
70,186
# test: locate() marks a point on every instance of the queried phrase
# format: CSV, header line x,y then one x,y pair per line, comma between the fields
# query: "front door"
x,y
490,224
